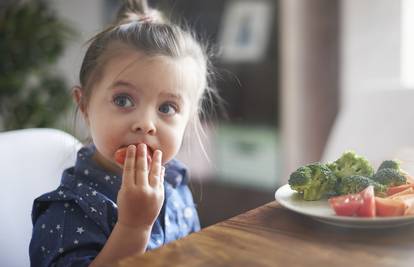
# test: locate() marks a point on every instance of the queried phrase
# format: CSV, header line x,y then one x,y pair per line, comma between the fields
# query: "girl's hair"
x,y
145,29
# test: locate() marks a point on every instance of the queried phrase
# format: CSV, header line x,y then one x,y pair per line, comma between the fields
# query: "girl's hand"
x,y
142,190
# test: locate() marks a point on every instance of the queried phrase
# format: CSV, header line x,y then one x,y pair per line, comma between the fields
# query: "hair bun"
x,y
138,10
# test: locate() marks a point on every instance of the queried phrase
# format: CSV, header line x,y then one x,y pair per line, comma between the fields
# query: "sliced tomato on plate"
x,y
387,207
346,205
367,209
360,204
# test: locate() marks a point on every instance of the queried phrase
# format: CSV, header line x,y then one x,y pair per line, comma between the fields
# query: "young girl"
x,y
141,86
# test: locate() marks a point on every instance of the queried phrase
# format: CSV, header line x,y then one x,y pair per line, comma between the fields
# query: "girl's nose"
x,y
145,126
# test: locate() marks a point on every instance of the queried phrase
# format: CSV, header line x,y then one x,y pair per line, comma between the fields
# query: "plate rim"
x,y
345,221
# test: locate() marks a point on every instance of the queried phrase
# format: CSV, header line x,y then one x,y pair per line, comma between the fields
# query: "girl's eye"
x,y
123,101
168,109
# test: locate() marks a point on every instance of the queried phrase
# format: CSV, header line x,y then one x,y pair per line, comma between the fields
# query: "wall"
x,y
331,51
370,46
86,18
407,39
309,53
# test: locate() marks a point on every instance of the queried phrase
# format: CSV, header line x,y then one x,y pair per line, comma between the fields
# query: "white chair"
x,y
377,124
32,161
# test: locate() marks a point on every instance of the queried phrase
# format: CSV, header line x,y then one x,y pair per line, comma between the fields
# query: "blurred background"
x,y
286,69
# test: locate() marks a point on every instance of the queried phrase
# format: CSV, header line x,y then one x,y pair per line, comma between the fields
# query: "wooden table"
x,y
273,236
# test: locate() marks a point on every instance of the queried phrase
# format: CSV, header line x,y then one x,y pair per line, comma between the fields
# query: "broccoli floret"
x,y
379,189
350,164
357,183
331,166
313,181
389,177
390,164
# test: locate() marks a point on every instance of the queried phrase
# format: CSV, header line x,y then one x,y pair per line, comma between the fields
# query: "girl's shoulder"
x,y
176,173
85,201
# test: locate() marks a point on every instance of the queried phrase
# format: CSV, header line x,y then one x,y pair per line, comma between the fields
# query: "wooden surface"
x,y
273,236
208,196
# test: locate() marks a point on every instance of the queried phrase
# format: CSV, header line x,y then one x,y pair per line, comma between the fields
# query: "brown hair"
x,y
145,29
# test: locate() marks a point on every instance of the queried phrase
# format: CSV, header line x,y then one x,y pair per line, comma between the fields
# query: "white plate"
x,y
321,211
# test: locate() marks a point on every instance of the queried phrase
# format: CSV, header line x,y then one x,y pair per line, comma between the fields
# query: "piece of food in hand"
x,y
361,204
120,155
350,164
387,207
356,183
313,181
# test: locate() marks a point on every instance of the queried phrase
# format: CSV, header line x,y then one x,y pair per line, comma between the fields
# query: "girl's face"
x,y
140,99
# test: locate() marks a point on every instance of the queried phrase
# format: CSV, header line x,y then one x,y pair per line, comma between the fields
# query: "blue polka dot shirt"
x,y
72,223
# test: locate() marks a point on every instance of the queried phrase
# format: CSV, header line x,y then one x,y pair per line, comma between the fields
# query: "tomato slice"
x,y
120,155
387,207
361,204
367,209
346,205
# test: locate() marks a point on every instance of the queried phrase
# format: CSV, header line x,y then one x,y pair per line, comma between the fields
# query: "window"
x,y
407,43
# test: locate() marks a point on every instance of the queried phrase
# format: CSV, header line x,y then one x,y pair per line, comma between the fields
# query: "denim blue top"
x,y
72,223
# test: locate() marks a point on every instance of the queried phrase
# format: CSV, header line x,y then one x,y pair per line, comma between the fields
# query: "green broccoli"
x,y
313,181
350,164
331,166
356,183
390,164
389,177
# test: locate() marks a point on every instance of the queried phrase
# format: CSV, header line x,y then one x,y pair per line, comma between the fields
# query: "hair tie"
x,y
146,18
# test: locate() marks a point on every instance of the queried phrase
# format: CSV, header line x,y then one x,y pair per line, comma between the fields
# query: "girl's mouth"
x,y
120,155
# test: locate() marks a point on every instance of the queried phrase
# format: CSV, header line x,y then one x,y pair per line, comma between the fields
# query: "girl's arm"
x,y
123,241
139,202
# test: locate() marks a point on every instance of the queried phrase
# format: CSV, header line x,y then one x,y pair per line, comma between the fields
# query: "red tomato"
x,y
386,207
346,205
120,155
361,204
367,209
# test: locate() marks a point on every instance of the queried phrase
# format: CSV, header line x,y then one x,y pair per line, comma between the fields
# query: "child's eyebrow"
x,y
176,97
122,83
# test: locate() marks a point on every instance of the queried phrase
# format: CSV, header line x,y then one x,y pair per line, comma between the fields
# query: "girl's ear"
x,y
79,99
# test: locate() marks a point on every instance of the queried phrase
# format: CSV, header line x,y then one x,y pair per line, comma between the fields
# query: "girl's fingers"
x,y
162,175
128,176
156,168
141,177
